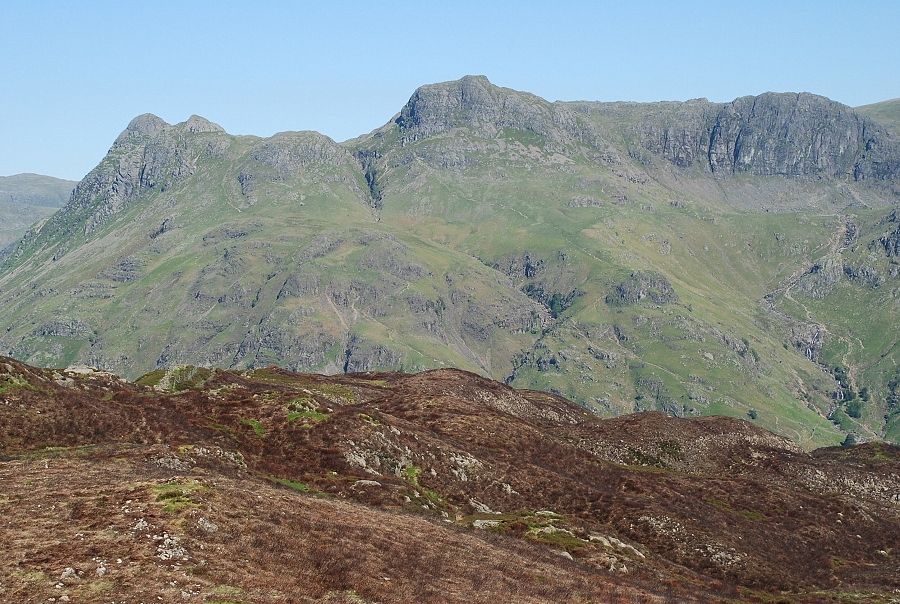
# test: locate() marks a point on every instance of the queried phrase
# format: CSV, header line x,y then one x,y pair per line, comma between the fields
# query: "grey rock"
x,y
821,278
486,524
640,286
889,243
786,134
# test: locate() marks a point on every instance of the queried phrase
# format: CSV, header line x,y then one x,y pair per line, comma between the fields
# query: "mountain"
x,y
694,258
26,199
269,486
886,113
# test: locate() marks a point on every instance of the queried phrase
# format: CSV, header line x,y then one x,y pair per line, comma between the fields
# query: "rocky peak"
x,y
198,124
474,101
148,154
143,125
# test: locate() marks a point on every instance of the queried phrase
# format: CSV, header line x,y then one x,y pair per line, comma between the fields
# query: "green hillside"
x,y
601,251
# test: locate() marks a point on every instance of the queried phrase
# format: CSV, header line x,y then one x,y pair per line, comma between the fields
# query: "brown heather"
x,y
269,486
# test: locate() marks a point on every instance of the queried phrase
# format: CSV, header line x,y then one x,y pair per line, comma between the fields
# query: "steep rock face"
x,y
773,134
890,243
796,134
678,131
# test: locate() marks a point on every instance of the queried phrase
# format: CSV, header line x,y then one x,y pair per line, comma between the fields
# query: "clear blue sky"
x,y
75,73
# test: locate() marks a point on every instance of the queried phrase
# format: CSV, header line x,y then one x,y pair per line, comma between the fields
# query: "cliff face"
x,y
773,134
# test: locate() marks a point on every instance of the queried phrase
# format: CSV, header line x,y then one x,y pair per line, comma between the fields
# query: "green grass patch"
x,y
411,473
296,485
14,382
315,416
151,379
369,419
337,391
176,497
257,426
305,408
558,538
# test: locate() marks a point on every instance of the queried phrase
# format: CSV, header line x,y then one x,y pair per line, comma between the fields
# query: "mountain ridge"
x,y
546,244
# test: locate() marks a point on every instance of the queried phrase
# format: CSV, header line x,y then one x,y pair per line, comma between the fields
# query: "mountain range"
x,y
695,258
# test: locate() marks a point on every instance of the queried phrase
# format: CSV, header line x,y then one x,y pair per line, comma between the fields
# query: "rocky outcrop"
x,y
640,286
889,243
291,152
821,277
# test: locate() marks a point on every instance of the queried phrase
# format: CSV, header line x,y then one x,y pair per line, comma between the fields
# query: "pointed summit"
x,y
146,123
197,124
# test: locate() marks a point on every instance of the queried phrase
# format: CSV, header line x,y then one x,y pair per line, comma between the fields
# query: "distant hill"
x,y
695,258
35,190
26,199
886,113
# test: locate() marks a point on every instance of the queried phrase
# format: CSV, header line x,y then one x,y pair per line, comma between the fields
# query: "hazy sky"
x,y
75,73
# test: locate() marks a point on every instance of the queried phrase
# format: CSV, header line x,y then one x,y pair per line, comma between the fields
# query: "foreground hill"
x,y
693,258
262,486
26,199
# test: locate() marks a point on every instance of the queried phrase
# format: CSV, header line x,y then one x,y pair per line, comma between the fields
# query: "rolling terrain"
x,y
27,198
694,258
264,485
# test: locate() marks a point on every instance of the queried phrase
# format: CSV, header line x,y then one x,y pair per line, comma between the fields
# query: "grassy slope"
x,y
720,278
885,112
